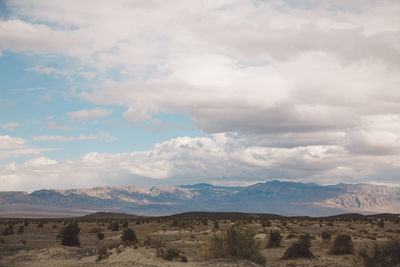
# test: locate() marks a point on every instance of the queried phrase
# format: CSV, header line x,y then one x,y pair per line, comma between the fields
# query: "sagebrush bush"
x,y
342,245
21,229
236,243
113,226
102,253
384,255
129,236
325,235
95,230
9,230
381,223
100,235
274,239
69,235
299,249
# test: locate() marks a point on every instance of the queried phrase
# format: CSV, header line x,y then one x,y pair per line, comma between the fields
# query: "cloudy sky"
x,y
227,92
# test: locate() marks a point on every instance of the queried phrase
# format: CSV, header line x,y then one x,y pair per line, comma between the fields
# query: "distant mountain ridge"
x,y
285,198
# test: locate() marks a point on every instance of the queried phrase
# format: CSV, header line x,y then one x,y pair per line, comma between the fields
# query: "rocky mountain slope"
x,y
286,198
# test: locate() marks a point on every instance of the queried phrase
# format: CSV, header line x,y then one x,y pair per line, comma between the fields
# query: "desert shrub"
x,y
183,258
113,226
290,236
40,225
274,239
299,249
125,224
21,229
26,223
129,236
69,235
95,230
381,223
236,243
100,235
342,245
266,223
102,253
387,254
216,224
169,254
325,235
154,243
178,223
9,230
54,226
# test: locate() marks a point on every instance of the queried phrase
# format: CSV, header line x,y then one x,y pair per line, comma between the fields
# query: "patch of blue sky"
x,y
40,103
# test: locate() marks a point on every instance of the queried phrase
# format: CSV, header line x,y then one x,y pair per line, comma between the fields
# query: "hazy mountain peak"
x,y
281,197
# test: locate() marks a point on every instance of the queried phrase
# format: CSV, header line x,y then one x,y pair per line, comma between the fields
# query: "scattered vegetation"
x,y
325,235
129,236
21,229
69,235
299,249
342,245
102,253
9,230
384,255
236,243
274,239
168,254
100,235
113,226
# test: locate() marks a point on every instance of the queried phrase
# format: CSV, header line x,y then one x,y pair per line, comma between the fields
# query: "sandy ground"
x,y
40,246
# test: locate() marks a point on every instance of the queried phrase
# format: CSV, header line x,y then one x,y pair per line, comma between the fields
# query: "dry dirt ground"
x,y
40,246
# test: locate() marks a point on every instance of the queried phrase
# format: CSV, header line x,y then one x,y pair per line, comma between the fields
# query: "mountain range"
x,y
285,198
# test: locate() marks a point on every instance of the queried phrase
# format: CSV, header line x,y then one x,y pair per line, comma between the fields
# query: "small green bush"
x,y
235,243
384,255
381,223
69,235
102,253
129,236
184,258
299,249
9,230
274,239
21,229
113,226
342,245
100,235
95,230
325,235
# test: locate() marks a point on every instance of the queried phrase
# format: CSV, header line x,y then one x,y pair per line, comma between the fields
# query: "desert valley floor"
x,y
185,240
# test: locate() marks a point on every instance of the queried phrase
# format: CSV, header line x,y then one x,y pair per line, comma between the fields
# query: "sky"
x,y
227,92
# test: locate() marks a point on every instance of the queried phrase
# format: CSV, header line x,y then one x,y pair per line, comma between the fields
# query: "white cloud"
x,y
103,136
191,160
289,88
8,142
11,147
9,126
54,125
83,115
